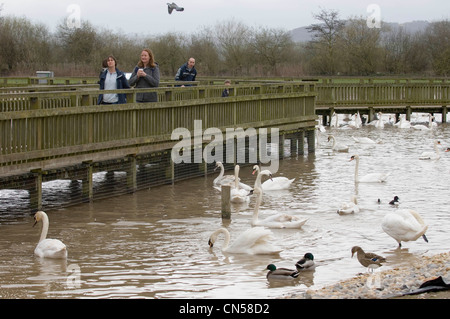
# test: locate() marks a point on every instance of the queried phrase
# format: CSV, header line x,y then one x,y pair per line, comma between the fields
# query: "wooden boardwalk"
x,y
63,135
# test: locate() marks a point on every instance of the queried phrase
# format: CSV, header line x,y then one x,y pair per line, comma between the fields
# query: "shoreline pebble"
x,y
385,284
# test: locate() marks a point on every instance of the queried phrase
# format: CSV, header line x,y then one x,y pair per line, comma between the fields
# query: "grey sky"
x,y
151,16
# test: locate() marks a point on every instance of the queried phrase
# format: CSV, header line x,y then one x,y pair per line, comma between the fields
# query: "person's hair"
x,y
151,61
105,62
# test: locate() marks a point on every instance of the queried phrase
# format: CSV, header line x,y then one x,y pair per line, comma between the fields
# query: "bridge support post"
x,y
408,113
301,143
131,174
281,147
87,188
311,137
36,190
444,113
226,204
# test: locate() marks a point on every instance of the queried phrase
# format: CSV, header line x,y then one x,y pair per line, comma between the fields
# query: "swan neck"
x,y
256,211
356,169
44,227
236,177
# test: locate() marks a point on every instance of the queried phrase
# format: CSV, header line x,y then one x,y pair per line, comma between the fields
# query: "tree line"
x,y
230,48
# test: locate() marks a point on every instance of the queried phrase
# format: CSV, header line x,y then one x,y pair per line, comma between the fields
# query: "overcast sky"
x,y
151,16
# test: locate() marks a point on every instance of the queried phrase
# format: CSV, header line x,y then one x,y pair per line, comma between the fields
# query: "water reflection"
x,y
153,243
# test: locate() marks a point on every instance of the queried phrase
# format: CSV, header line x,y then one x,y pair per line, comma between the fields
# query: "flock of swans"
x,y
402,225
259,239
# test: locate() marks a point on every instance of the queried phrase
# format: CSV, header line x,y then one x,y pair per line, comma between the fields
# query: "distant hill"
x,y
302,35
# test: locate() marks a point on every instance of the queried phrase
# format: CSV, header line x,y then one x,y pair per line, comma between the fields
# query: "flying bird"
x,y
173,6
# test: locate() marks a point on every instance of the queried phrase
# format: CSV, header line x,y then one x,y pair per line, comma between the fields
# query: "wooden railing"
x,y
42,130
383,94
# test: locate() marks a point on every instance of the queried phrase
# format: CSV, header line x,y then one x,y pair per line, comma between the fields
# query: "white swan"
x,y
237,194
368,178
404,225
334,122
364,140
227,179
273,183
431,155
423,127
338,147
349,207
254,241
48,248
280,220
379,123
403,123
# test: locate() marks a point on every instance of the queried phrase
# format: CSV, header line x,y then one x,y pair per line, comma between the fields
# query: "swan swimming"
x,y
423,127
237,194
280,220
48,248
349,207
431,155
368,178
253,241
227,179
404,225
273,183
403,123
338,147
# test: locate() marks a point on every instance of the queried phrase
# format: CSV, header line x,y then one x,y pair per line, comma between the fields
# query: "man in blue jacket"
x,y
187,71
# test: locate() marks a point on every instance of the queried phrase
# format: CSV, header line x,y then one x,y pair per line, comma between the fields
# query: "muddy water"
x,y
153,244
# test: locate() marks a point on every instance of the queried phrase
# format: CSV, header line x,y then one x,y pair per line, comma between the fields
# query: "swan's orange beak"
x,y
253,173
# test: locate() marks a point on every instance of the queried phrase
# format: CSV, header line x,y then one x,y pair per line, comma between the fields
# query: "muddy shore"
x,y
392,283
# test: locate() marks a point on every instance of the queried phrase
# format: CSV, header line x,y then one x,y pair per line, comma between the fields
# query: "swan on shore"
x,y
253,241
368,178
404,225
431,155
48,248
279,220
273,183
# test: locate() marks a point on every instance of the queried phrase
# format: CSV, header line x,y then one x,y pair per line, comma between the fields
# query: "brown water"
x,y
153,244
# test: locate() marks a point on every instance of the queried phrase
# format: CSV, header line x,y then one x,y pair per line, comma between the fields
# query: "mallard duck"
x,y
306,263
369,260
280,273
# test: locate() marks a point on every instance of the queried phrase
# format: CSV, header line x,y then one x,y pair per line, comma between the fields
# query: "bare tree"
x,y
325,36
361,47
271,47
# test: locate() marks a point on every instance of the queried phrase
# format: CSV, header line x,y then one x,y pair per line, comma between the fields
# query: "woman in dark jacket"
x,y
111,78
145,75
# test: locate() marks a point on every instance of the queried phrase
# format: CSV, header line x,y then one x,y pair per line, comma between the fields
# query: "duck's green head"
x,y
271,267
309,256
